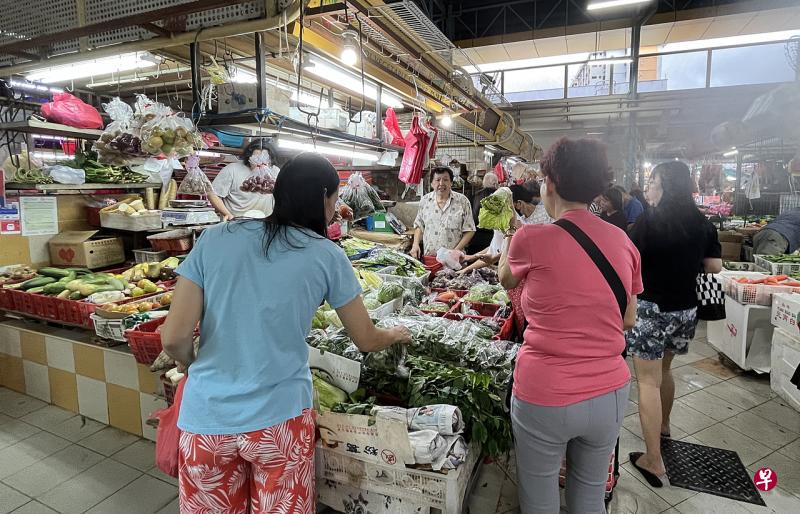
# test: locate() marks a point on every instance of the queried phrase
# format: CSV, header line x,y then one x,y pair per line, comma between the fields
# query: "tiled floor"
x,y
54,461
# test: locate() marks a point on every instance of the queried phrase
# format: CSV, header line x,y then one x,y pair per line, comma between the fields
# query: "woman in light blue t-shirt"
x,y
246,417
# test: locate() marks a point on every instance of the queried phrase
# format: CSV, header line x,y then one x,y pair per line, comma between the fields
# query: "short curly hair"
x,y
578,169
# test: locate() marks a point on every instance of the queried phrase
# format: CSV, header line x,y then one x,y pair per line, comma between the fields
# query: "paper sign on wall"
x,y
39,215
9,219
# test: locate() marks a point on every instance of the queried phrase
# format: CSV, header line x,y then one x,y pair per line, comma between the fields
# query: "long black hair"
x,y
676,217
302,187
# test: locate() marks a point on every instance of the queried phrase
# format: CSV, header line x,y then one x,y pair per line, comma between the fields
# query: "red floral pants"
x,y
269,471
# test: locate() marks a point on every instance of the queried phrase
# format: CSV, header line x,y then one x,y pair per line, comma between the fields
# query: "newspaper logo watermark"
x,y
765,479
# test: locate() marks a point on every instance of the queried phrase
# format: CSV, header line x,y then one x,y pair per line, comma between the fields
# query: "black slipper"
x,y
666,436
651,478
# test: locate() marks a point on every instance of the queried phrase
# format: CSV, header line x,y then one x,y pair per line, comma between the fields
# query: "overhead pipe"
x,y
157,43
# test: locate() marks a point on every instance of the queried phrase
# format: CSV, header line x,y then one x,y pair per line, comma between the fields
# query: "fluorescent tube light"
x,y
613,3
204,153
47,156
104,66
35,87
352,83
115,82
731,153
291,144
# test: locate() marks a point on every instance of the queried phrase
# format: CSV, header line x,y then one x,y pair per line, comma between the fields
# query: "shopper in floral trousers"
x,y
247,442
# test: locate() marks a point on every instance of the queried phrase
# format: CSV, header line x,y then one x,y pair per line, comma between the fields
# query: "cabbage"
x,y
389,292
501,298
497,210
328,394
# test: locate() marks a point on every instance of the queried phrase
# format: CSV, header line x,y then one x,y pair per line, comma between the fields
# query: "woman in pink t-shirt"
x,y
570,382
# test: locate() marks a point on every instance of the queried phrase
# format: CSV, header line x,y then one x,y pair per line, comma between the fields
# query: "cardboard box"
x,y
785,359
744,336
786,312
731,251
84,248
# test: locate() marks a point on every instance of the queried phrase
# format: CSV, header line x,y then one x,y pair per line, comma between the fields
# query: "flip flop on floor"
x,y
666,436
651,478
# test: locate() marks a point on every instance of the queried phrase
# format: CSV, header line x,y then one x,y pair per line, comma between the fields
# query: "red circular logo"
x,y
388,457
765,479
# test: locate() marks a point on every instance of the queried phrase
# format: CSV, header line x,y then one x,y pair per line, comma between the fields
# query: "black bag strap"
x,y
600,261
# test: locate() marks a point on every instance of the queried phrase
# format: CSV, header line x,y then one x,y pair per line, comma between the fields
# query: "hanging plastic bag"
x,y
168,434
72,111
171,135
361,197
196,182
392,128
416,146
67,175
500,172
261,180
121,115
450,258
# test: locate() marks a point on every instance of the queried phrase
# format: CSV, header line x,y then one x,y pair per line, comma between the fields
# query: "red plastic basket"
x,y
145,341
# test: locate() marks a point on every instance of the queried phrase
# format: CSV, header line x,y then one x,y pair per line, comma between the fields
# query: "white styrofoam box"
x,y
346,373
346,498
785,360
446,492
386,309
744,335
786,312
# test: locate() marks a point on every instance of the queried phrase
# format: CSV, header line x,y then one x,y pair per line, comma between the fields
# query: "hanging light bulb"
x,y
349,55
446,119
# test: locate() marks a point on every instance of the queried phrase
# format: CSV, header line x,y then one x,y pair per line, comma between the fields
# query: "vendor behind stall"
x,y
444,219
780,236
228,198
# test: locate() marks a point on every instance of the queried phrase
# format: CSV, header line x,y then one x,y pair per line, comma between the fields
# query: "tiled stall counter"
x,y
60,367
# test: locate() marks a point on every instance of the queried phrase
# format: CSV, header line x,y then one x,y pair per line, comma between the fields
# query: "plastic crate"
x,y
739,266
776,268
751,294
145,341
386,309
149,255
446,492
173,241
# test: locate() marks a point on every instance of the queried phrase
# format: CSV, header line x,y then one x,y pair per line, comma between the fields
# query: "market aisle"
x,y
51,459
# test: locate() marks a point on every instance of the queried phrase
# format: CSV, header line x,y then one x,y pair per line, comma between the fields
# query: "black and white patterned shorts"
x,y
656,332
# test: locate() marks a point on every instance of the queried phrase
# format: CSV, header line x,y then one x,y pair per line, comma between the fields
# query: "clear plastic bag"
x,y
67,175
450,258
196,182
261,181
121,115
361,197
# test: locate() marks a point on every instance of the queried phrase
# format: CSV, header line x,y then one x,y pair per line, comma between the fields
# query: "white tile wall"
x,y
92,399
121,370
37,380
59,354
9,341
150,404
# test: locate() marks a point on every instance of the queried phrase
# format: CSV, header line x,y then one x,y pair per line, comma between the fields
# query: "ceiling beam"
x,y
155,29
118,23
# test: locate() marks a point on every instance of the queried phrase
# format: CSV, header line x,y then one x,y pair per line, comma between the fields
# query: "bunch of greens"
x,y
497,210
483,293
381,258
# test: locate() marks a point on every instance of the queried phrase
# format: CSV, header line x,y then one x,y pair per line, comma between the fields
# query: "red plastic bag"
x,y
414,154
393,128
71,110
500,172
168,435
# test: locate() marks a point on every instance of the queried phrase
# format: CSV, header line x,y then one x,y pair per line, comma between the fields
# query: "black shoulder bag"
x,y
600,261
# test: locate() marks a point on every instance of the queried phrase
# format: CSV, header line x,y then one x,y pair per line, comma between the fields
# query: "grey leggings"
x,y
586,431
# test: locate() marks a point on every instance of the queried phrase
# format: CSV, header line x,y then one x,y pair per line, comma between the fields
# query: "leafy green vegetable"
x,y
501,298
497,210
389,292
371,303
328,394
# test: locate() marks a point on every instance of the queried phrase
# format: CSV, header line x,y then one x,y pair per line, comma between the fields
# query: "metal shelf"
x,y
50,129
16,186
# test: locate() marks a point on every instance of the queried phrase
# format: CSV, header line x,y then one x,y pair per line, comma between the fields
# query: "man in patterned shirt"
x,y
444,219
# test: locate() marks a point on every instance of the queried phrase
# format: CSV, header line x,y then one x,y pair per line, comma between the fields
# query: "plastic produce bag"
x,y
72,111
121,115
196,182
67,175
394,134
361,197
261,181
168,435
450,258
497,210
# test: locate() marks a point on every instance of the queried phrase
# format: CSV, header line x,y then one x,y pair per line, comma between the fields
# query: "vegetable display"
x,y
783,259
400,264
30,176
497,210
449,279
448,361
354,245
770,280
